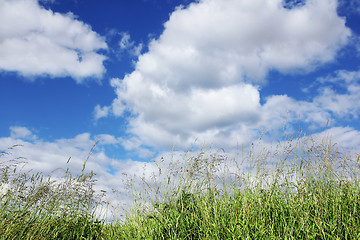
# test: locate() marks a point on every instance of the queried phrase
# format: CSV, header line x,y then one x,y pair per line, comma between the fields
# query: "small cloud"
x,y
107,139
126,44
24,133
101,112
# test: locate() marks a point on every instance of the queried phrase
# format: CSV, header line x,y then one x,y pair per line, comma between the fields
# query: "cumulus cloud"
x,y
201,77
36,41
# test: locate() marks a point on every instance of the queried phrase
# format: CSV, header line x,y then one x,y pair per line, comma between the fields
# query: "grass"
x,y
297,189
35,207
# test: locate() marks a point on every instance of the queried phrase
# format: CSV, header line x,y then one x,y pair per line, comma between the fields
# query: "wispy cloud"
x,y
126,44
350,6
343,95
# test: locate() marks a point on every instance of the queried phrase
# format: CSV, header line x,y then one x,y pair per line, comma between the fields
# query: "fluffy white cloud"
x,y
200,77
167,117
250,37
36,41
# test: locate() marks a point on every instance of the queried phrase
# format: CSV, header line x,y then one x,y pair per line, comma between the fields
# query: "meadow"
x,y
299,188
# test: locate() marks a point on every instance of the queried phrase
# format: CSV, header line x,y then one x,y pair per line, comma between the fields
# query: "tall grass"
x,y
300,188
35,207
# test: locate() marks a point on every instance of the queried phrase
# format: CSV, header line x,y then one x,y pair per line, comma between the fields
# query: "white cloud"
x,y
342,104
101,112
36,41
337,99
47,156
18,132
199,78
342,77
107,139
279,110
177,118
345,138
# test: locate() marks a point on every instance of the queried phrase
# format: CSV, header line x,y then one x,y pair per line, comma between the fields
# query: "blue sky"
x,y
145,75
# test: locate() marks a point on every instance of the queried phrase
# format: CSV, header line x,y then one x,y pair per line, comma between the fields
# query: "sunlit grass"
x,y
35,207
300,188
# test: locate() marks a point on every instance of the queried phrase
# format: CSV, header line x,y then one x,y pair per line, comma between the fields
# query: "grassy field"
x,y
297,189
